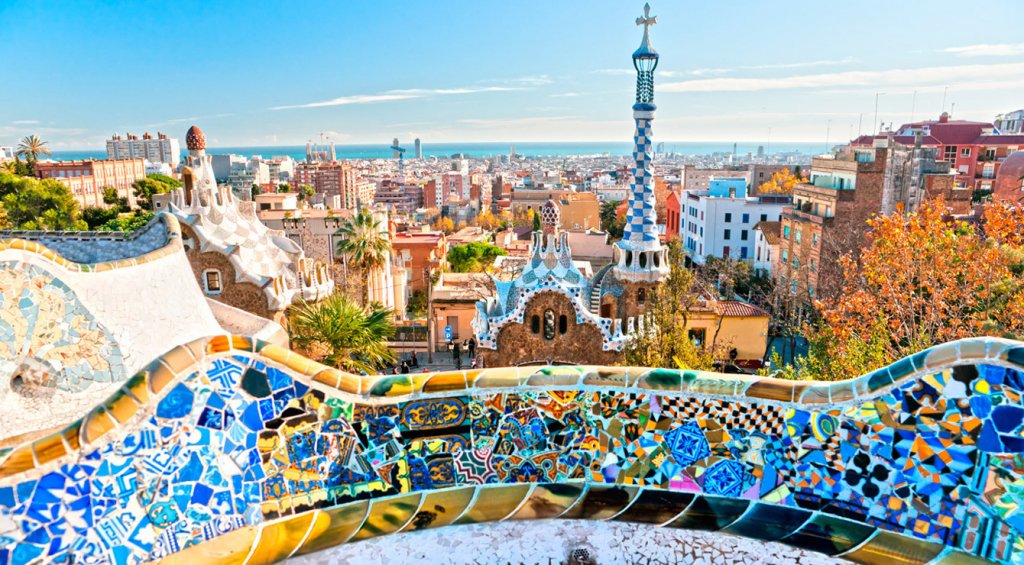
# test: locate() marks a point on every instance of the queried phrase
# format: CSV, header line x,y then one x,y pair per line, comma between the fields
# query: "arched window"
x,y
643,260
535,324
629,258
549,325
641,295
563,324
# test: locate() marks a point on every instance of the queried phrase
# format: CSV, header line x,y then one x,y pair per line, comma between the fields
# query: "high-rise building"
x,y
334,179
395,153
159,149
418,148
87,178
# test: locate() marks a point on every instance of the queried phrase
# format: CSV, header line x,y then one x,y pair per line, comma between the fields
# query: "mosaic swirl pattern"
x,y
48,337
235,451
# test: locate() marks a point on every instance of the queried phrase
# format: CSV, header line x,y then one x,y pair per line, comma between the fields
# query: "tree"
x,y
922,280
152,185
32,147
486,220
731,277
283,187
32,204
444,224
110,198
664,340
782,182
536,222
363,243
128,222
473,257
417,304
96,216
355,338
610,220
305,191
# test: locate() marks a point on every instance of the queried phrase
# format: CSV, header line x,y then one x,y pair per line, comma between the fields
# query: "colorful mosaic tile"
x,y
223,447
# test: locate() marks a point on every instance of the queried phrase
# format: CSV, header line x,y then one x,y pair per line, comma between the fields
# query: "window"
x,y
828,211
785,232
813,268
641,296
697,336
563,324
743,252
746,218
211,281
764,217
965,151
728,217
535,324
725,252
796,262
949,153
728,234
549,325
797,235
810,290
785,255
743,235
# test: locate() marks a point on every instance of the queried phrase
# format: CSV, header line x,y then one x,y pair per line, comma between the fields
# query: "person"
x,y
405,367
457,355
472,347
415,363
451,348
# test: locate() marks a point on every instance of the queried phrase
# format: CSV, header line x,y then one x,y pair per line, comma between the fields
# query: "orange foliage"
x,y
782,182
921,280
1005,224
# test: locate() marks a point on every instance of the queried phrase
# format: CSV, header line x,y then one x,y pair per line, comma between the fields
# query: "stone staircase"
x,y
595,289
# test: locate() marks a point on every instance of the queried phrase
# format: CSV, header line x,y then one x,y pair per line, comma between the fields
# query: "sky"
x,y
279,73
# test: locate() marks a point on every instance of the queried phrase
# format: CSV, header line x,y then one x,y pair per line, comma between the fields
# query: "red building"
x,y
972,149
86,179
673,214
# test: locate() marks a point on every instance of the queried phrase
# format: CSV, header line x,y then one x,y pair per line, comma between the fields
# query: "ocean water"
x,y
529,149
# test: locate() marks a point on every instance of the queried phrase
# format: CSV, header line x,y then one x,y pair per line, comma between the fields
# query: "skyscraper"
x,y
417,148
394,149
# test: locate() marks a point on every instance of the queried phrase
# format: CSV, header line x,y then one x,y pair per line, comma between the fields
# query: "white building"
x,y
1010,123
158,168
766,245
159,149
720,221
6,154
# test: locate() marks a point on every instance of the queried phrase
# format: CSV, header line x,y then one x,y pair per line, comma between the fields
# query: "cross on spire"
x,y
646,20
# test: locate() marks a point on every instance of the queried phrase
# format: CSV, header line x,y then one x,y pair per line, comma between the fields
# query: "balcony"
x,y
806,216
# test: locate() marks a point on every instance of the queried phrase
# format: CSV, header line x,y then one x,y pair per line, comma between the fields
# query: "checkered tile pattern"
x,y
641,217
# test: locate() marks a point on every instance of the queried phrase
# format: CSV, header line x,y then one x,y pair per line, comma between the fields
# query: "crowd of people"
x,y
455,348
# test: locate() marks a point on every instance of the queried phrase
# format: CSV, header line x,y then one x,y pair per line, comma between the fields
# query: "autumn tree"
x,y
444,224
923,279
782,182
487,221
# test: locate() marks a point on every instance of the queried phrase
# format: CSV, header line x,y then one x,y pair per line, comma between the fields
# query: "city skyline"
x,y
367,74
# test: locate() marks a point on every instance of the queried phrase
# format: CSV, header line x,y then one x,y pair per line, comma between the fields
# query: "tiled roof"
x,y
771,230
737,309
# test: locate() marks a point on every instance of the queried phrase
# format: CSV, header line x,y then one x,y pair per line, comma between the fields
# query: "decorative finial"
x,y
646,20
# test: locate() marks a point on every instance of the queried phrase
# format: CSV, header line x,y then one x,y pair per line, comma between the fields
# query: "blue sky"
x,y
269,73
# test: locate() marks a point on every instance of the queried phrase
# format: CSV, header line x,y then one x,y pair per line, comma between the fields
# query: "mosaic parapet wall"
x,y
230,450
81,312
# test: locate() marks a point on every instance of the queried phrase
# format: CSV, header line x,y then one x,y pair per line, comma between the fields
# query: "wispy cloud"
x,y
986,50
566,95
515,122
25,122
911,78
402,94
538,80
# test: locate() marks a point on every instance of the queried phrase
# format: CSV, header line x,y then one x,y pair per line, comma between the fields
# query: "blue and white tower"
x,y
639,255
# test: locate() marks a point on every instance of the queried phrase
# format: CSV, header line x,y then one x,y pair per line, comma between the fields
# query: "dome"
x,y
1009,184
549,214
195,140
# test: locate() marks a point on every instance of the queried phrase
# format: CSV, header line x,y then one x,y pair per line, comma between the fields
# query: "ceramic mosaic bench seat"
x,y
230,450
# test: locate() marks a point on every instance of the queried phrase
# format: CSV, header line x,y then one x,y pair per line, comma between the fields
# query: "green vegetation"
x,y
610,221
32,147
31,204
152,185
352,338
363,243
127,222
417,304
473,257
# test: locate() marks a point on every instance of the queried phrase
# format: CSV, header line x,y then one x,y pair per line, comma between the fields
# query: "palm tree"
x,y
364,244
355,338
31,147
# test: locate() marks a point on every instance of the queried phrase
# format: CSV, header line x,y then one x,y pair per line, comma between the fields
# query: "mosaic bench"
x,y
231,450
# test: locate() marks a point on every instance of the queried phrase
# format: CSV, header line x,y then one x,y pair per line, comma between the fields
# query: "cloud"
x,y
25,122
538,80
514,122
565,95
401,94
910,78
986,50
767,66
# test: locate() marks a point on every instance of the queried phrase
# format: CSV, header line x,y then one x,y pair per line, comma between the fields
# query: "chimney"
x,y
944,118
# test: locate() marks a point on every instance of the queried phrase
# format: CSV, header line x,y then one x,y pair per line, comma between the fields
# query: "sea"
x,y
483,150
